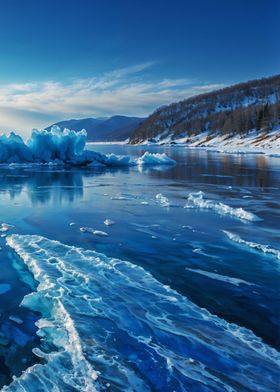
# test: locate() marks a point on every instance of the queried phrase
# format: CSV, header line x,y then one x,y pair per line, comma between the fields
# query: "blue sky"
x,y
72,59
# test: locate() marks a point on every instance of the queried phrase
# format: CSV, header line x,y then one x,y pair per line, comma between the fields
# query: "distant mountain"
x,y
116,128
232,111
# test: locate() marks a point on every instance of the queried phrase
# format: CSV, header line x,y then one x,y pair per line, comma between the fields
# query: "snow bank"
x,y
255,142
197,199
61,147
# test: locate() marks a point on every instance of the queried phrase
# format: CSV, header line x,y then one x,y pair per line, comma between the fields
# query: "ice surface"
x,y
108,314
254,245
4,288
16,319
198,200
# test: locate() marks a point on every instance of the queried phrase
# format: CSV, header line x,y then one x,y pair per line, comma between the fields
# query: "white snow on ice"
x,y
163,200
254,245
109,222
197,200
222,278
93,231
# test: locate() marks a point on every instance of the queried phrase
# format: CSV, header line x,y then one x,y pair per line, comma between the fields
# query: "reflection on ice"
x,y
42,185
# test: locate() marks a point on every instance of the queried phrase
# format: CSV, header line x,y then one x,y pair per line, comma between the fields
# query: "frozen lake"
x,y
202,312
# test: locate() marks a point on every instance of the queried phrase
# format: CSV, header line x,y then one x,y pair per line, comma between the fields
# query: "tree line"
x,y
237,109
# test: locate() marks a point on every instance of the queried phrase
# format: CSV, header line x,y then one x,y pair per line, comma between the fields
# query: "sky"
x,y
94,58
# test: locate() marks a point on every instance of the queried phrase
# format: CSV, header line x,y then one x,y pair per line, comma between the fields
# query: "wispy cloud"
x,y
122,91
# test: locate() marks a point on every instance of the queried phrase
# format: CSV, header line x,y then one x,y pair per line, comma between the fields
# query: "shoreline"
x,y
225,149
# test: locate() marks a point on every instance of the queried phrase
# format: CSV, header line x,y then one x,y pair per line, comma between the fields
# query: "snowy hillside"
x,y
246,112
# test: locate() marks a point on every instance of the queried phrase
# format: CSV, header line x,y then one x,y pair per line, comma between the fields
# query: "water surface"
x,y
184,248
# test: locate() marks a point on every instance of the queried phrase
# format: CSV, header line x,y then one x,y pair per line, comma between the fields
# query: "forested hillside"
x,y
233,110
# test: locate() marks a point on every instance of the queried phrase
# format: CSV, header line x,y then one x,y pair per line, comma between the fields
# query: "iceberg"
x,y
60,147
197,200
13,149
56,144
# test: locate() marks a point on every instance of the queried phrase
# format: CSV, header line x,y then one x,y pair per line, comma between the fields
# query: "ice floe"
x,y
198,200
90,230
163,200
5,227
155,159
109,222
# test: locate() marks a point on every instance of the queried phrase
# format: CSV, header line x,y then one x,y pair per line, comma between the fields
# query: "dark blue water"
x,y
184,248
